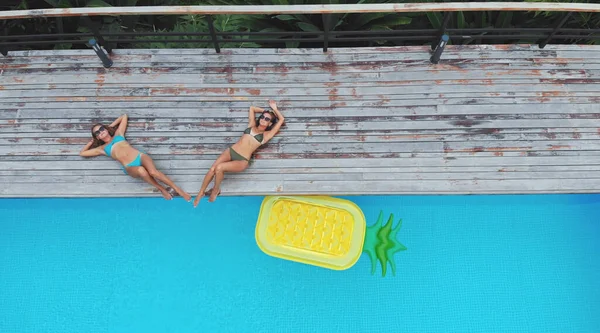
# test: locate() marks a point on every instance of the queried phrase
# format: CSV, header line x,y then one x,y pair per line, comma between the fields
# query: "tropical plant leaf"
x,y
292,44
63,46
504,19
435,18
483,20
378,27
460,20
272,29
394,20
286,17
363,19
98,3
53,3
308,27
303,18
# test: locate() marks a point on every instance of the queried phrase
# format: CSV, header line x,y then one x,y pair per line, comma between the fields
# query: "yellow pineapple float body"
x,y
323,231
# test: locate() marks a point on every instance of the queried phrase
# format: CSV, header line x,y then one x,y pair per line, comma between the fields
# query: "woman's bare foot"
x,y
213,195
186,196
181,193
197,200
166,194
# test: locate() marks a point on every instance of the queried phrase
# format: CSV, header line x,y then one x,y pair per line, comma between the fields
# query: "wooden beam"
x,y
304,9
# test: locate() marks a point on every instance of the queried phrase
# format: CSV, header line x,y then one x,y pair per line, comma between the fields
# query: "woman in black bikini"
x,y
236,158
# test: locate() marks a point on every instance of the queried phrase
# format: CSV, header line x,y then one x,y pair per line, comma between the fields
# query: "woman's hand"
x,y
273,104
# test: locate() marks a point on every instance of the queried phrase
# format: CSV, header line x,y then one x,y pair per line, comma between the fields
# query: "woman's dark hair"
x,y
273,121
98,142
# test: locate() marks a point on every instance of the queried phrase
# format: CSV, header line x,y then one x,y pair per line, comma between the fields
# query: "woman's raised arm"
x,y
251,115
87,152
122,121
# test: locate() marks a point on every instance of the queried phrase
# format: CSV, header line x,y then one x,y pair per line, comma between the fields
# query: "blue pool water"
x,y
473,264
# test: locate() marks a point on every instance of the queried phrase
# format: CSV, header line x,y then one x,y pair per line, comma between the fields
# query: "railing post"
x,y
326,21
106,61
88,22
435,58
3,49
558,26
447,17
213,34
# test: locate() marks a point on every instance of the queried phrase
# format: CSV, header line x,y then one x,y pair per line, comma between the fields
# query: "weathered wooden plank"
x,y
495,175
450,49
232,186
317,177
421,112
340,162
27,66
89,104
443,186
393,54
363,93
300,101
357,91
319,148
315,126
136,136
235,86
177,178
558,155
451,112
245,85
367,61
286,67
199,113
431,74
265,187
452,172
287,51
296,138
75,58
242,119
300,148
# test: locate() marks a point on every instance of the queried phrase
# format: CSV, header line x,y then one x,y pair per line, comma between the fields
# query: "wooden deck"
x,y
487,119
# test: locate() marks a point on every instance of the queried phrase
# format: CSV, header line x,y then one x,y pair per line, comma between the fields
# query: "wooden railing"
x,y
304,9
438,37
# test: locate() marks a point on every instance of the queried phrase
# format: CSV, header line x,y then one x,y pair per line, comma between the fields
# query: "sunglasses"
x,y
99,130
262,116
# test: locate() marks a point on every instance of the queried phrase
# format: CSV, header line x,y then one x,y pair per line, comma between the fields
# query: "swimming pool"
x,y
503,263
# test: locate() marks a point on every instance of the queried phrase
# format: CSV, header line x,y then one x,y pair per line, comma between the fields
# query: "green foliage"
x,y
199,24
280,22
576,21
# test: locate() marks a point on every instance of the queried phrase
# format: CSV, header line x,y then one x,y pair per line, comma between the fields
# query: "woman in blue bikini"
x,y
106,140
237,157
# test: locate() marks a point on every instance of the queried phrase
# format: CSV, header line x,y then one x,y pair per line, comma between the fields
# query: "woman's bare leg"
x,y
141,172
233,166
154,173
224,157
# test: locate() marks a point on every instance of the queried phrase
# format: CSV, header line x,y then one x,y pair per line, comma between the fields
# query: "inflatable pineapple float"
x,y
324,231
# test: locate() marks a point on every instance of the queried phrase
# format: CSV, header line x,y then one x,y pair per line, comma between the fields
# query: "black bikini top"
x,y
258,137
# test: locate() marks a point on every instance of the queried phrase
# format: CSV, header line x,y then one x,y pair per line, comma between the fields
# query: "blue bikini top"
x,y
108,147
